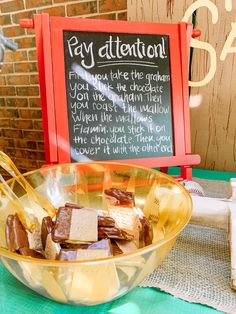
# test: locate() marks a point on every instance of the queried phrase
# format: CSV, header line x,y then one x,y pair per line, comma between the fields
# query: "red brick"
x,y
2,80
6,142
35,155
33,135
30,31
38,125
12,133
122,16
25,67
64,1
27,90
40,146
23,112
37,3
11,6
22,143
4,123
26,42
25,164
30,113
34,79
21,124
82,8
34,102
9,113
13,31
16,153
112,5
7,68
32,55
41,163
54,11
17,102
5,19
22,15
2,102
18,55
7,91
18,80
109,16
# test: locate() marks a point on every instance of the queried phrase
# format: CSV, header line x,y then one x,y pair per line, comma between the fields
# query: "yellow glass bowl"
x,y
91,282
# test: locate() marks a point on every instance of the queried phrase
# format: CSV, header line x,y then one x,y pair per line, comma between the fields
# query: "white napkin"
x,y
210,212
232,241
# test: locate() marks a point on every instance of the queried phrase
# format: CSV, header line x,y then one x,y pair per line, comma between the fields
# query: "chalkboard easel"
x,y
114,90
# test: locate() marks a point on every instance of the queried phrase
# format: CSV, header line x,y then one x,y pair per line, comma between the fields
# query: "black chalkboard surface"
x,y
118,90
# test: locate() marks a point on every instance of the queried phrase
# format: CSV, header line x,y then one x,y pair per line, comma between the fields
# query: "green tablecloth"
x,y
15,297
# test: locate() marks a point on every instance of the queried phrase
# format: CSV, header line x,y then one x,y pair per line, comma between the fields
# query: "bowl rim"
x,y
56,263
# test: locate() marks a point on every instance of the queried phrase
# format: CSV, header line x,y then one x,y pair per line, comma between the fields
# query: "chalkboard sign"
x,y
114,90
118,90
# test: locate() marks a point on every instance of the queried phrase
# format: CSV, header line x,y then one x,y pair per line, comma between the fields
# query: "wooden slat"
x,y
213,127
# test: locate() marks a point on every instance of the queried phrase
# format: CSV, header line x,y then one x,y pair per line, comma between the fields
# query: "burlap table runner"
x,y
214,188
197,268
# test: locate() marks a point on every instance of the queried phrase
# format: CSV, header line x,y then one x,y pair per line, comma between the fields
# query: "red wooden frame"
x,y
49,42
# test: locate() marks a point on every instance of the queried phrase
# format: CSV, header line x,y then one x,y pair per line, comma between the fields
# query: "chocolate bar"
x,y
105,221
75,224
29,252
16,235
80,233
146,233
72,205
46,228
113,233
61,230
122,197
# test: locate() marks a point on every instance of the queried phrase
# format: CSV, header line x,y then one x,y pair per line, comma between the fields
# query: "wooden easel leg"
x,y
186,172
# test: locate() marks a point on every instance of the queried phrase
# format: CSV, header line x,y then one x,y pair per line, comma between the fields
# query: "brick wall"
x,y
21,134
